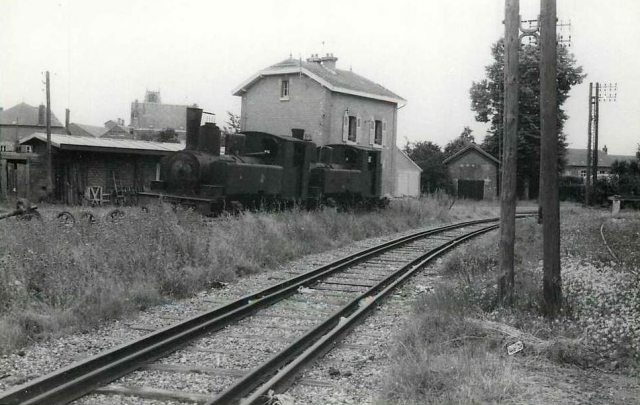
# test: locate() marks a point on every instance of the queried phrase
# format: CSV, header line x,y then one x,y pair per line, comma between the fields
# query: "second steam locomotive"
x,y
259,169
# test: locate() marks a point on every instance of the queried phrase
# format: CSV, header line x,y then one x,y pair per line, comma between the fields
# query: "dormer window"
x,y
284,89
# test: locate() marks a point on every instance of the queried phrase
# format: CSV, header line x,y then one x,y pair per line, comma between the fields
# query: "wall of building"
x,y
367,109
264,110
407,176
158,116
473,166
319,112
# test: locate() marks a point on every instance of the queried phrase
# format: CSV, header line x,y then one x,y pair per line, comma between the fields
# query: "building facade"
x,y
315,101
474,173
152,116
23,120
576,165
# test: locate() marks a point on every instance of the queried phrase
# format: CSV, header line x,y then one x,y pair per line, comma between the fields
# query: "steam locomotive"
x,y
259,169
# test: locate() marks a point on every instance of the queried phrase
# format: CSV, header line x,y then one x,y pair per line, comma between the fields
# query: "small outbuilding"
x,y
474,173
407,175
80,165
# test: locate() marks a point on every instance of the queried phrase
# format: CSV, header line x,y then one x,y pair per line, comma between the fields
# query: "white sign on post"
x,y
515,348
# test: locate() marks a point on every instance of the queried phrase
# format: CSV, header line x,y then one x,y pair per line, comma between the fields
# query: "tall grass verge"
x,y
55,279
454,349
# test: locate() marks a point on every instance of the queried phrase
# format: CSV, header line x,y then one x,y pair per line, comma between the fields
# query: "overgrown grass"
x,y
56,278
599,326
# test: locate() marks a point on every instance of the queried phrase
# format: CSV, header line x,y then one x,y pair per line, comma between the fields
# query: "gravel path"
x,y
351,372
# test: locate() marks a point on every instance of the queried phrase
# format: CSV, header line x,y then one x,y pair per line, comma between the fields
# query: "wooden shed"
x,y
81,164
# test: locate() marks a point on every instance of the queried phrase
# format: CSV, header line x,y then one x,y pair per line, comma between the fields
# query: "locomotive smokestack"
x,y
194,117
209,139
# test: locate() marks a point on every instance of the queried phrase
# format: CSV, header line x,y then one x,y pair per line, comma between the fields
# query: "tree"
x,y
465,138
167,135
429,156
487,101
233,123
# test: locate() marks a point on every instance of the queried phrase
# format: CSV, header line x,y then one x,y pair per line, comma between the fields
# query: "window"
x,y
284,89
353,125
601,172
583,173
378,133
3,148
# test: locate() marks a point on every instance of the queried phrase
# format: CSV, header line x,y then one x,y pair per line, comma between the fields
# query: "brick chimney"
x,y
329,61
42,116
314,59
605,150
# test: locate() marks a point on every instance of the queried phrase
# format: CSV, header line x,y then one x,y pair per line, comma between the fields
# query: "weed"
x,y
75,278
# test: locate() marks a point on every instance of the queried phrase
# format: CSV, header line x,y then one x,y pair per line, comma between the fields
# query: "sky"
x,y
103,55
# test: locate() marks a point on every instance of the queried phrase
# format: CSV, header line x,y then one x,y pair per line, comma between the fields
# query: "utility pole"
x,y
587,186
596,113
509,142
603,92
551,283
49,164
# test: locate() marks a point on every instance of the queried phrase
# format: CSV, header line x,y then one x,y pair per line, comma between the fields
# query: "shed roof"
x,y
337,80
69,142
471,148
24,114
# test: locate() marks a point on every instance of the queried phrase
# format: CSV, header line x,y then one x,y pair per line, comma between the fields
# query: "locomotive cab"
x,y
347,172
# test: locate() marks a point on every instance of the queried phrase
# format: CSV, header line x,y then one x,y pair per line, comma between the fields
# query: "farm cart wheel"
x,y
115,215
89,217
33,215
66,218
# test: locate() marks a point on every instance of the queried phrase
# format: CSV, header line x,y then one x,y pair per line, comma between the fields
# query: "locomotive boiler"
x,y
258,169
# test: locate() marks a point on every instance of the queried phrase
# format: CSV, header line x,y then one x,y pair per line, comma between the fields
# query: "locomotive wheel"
x,y
115,215
89,217
66,218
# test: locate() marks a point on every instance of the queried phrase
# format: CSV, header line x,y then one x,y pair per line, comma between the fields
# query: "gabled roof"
x,y
24,114
470,147
85,130
407,158
86,143
578,158
336,80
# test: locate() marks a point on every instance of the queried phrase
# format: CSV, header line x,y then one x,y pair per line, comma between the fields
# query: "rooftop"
x,y
337,80
69,142
26,115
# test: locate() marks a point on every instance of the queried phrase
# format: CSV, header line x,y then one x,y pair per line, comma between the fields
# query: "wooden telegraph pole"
x,y
49,164
509,142
551,283
587,185
596,114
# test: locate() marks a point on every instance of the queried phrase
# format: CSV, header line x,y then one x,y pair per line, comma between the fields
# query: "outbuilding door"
x,y
471,189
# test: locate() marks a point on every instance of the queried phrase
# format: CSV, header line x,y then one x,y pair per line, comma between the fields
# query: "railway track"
x,y
305,315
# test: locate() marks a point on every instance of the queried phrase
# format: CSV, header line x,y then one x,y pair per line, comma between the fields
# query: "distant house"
x,y
112,129
152,116
23,120
474,173
80,163
314,100
576,165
